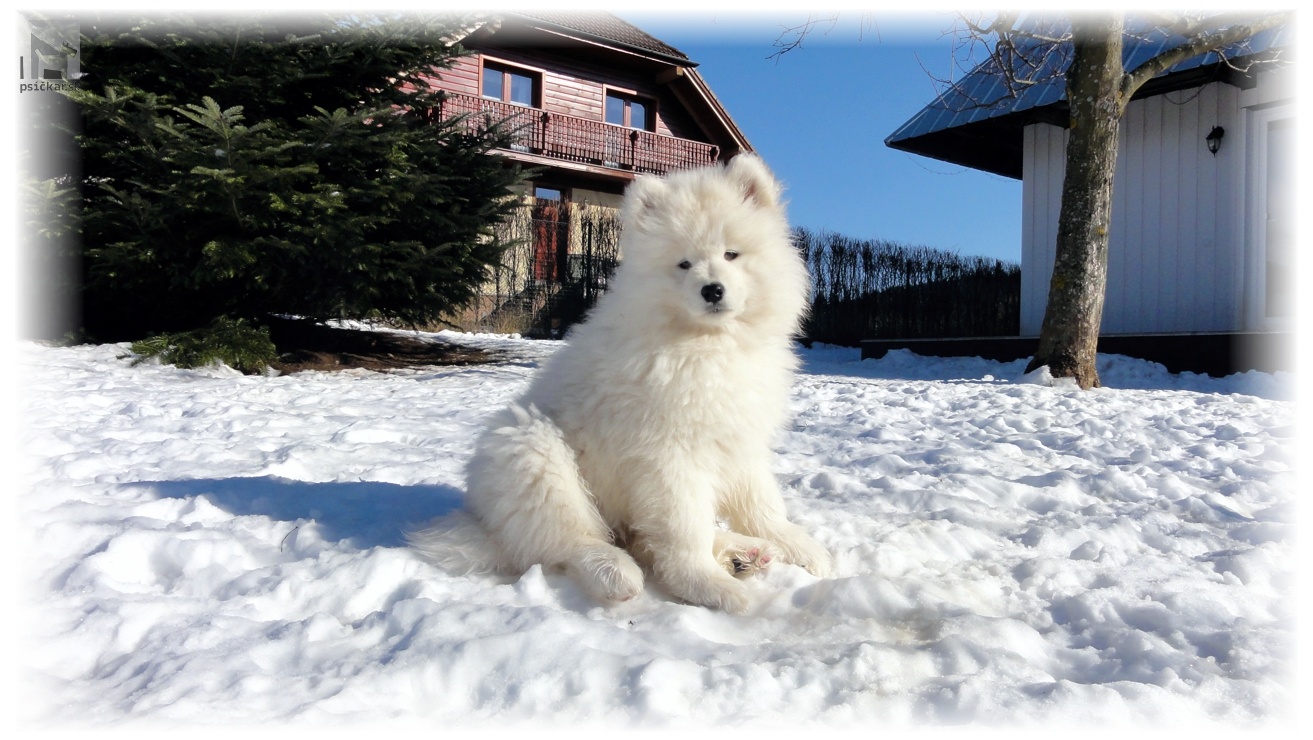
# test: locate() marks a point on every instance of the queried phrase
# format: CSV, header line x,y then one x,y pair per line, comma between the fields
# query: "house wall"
x,y
575,88
578,195
1178,251
585,197
1173,254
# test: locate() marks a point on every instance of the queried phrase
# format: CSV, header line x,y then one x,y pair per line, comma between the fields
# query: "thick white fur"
x,y
647,438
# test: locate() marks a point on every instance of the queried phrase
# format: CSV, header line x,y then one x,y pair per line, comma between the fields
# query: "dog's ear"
x,y
641,197
755,180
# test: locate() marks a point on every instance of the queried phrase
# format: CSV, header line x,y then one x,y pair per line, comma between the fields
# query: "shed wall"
x,y
1176,251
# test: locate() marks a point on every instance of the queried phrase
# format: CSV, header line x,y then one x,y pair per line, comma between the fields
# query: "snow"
x,y
211,550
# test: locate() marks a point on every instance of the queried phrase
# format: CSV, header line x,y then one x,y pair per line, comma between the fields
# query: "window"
x,y
629,111
510,85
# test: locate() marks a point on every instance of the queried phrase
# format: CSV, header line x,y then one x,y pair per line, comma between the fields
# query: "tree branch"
x,y
1207,42
799,32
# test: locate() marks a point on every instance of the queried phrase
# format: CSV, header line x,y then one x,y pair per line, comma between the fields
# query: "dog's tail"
x,y
457,544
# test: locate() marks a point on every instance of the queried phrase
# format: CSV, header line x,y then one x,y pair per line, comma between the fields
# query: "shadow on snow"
x,y
368,513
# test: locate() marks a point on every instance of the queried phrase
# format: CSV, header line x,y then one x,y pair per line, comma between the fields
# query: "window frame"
x,y
507,69
627,97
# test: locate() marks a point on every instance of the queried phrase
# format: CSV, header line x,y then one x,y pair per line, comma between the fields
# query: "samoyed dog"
x,y
644,444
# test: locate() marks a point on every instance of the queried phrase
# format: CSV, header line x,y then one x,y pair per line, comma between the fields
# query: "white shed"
x,y
1202,242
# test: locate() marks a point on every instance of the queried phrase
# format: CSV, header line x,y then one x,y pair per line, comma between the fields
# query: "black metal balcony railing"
x,y
574,139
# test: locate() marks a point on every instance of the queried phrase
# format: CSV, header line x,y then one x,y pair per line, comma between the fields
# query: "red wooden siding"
x,y
575,89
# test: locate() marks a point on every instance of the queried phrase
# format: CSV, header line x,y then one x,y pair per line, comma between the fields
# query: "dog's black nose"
x,y
713,292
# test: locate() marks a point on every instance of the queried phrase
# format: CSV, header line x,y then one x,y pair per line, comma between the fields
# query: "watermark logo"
x,y
50,58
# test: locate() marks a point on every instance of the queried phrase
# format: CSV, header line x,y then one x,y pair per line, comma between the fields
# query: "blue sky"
x,y
819,115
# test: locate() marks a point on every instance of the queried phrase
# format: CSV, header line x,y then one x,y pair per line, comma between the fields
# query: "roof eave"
x,y
706,108
593,39
994,144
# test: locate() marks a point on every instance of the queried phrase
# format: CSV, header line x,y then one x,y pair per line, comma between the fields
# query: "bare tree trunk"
x,y
1069,336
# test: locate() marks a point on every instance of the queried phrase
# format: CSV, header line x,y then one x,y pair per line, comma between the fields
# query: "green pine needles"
x,y
231,342
237,168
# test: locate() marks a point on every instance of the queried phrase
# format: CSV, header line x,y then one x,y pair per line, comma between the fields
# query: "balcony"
x,y
579,140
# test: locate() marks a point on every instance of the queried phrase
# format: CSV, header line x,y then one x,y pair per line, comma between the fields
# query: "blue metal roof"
x,y
983,96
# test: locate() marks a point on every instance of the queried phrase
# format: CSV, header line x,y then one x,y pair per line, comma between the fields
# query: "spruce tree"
x,y
278,165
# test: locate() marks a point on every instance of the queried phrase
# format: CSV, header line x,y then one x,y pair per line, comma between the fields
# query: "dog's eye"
x,y
731,255
685,265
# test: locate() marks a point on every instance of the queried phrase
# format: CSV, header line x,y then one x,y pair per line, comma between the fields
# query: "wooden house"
x,y
593,102
596,100
1201,250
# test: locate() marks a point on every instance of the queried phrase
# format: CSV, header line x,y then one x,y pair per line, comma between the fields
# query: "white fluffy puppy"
x,y
647,438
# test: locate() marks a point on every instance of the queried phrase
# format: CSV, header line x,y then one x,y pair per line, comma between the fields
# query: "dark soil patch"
x,y
305,345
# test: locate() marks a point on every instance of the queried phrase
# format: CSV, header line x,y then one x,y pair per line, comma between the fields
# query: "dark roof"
x,y
609,29
978,123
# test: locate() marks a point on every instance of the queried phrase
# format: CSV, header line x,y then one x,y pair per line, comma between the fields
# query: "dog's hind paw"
x,y
742,555
754,560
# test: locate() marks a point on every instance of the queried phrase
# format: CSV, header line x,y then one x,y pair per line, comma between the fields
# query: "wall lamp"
x,y
1214,139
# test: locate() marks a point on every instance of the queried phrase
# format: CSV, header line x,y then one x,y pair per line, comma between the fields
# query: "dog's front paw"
x,y
819,565
801,550
714,590
611,573
733,601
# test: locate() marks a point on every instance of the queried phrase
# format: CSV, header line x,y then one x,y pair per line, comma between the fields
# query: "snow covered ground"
x,y
213,550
